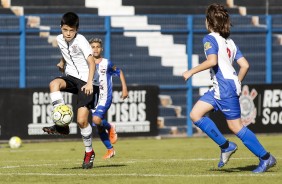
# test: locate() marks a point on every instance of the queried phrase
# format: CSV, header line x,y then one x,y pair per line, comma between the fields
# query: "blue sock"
x,y
250,140
105,124
104,136
209,127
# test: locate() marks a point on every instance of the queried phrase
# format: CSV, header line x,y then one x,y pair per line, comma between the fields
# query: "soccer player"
x,y
106,69
221,52
79,66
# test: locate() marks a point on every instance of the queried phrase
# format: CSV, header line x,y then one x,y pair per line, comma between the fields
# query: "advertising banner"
x,y
261,109
24,112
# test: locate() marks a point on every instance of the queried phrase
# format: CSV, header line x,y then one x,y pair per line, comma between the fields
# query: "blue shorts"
x,y
100,111
230,107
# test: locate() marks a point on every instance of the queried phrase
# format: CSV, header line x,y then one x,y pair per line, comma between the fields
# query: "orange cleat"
x,y
113,134
110,153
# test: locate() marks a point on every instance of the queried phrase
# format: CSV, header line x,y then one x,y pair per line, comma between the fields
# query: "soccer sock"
x,y
250,140
105,124
104,137
209,127
57,98
87,137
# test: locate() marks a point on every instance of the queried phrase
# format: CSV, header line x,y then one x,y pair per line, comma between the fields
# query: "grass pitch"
x,y
138,161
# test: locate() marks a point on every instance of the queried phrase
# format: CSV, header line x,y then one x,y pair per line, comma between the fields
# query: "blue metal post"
x,y
107,45
22,77
189,47
268,46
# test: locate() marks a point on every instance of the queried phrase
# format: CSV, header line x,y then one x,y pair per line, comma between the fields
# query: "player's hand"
x,y
61,66
186,75
124,94
87,88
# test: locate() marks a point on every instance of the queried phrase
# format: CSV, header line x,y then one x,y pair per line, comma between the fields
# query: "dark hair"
x,y
96,40
71,19
218,20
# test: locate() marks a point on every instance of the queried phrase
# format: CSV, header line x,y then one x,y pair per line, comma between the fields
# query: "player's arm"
x,y
124,86
88,88
209,63
61,65
244,67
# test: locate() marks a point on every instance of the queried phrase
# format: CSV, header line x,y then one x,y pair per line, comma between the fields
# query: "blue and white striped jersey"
x,y
106,69
223,75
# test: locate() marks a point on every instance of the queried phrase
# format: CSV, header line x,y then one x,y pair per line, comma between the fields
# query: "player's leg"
x,y
105,130
57,99
209,127
106,141
86,133
250,140
99,120
197,115
55,88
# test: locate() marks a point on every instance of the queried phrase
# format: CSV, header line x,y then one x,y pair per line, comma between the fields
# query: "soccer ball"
x,y
62,115
15,142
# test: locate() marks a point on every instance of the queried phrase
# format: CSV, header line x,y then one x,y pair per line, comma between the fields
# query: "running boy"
x,y
221,51
79,66
105,70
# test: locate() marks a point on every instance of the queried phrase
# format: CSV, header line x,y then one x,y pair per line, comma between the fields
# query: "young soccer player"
x,y
79,66
106,69
221,51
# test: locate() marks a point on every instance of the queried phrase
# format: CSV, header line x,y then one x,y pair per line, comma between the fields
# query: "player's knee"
x,y
53,84
82,122
96,120
235,125
194,117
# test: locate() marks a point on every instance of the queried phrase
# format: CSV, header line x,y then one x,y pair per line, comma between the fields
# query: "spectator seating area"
x,y
142,62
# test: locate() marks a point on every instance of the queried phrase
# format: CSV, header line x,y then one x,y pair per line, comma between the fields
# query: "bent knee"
x,y
195,117
96,120
56,85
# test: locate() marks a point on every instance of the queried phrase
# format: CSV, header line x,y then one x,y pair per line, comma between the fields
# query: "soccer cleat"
x,y
57,130
88,160
110,153
113,134
226,154
264,165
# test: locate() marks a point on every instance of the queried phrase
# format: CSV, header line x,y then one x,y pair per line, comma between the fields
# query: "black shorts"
x,y
74,85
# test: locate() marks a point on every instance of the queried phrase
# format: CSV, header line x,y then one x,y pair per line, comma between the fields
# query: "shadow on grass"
x,y
235,169
98,166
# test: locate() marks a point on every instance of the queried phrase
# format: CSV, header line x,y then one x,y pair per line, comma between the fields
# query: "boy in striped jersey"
x,y
105,70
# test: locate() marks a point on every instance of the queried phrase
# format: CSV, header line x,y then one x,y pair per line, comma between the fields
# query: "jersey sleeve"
x,y
113,70
210,45
85,47
238,54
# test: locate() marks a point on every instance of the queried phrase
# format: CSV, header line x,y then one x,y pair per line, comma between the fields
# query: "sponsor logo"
x,y
225,110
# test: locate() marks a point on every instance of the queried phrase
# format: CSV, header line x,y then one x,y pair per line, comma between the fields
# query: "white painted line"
x,y
143,175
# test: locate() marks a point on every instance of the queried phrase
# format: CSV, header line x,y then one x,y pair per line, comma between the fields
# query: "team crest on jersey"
x,y
248,109
74,48
103,70
207,45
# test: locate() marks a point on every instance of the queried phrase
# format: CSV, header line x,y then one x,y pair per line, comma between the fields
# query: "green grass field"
x,y
142,160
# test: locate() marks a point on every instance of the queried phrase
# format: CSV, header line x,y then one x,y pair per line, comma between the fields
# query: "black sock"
x,y
266,156
225,145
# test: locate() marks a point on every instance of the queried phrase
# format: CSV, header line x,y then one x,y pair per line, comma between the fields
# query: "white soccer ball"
x,y
15,142
62,115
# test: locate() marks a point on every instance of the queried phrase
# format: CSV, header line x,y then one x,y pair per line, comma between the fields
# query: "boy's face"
x,y
68,32
97,49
